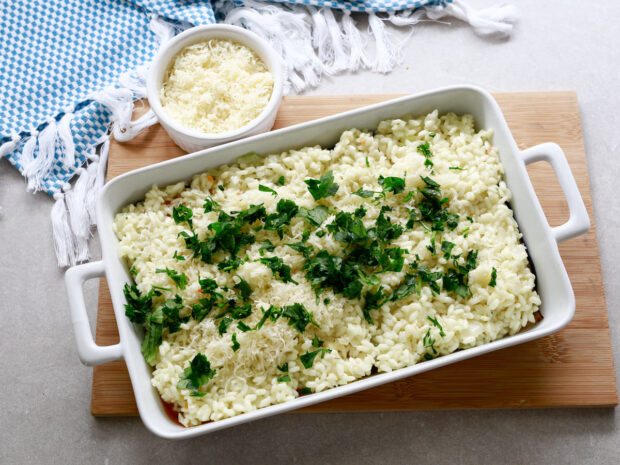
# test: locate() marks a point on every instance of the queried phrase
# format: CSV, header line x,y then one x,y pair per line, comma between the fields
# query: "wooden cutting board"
x,y
568,369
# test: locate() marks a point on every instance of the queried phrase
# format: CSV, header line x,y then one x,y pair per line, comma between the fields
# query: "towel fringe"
x,y
73,213
319,41
496,20
63,236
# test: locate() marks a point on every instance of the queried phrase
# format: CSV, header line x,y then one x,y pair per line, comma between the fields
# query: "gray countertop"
x,y
45,391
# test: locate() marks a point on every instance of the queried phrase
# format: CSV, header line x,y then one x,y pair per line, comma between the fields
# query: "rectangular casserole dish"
x,y
558,302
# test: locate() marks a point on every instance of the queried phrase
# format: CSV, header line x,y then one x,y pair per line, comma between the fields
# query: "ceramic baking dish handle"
x,y
578,222
89,352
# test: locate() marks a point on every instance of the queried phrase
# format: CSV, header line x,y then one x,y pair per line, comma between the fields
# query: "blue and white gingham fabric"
x,y
55,54
369,6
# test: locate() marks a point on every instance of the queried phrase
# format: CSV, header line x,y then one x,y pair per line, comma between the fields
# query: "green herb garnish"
x,y
243,327
392,184
425,150
225,322
280,181
446,248
314,216
436,323
179,279
182,214
210,205
284,379
307,359
235,343
280,270
267,189
266,245
493,281
285,212
298,316
197,374
323,187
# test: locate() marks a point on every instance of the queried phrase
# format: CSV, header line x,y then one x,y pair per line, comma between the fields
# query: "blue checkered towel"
x,y
71,68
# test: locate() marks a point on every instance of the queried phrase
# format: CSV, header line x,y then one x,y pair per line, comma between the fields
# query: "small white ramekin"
x,y
188,139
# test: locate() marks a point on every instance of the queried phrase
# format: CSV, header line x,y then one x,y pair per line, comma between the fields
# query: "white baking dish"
x,y
558,302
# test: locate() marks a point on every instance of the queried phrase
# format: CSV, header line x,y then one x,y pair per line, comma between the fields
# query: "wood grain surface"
x,y
572,368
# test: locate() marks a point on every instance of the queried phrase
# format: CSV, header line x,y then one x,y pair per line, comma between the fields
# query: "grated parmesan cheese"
x,y
216,86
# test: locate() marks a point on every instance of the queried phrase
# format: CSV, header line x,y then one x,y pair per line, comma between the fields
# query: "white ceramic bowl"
x,y
188,139
556,293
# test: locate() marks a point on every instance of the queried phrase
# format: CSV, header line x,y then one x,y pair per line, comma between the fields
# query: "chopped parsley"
x,y
385,230
285,212
456,168
493,281
243,327
316,342
425,150
281,271
177,256
374,300
197,374
210,205
392,184
436,323
139,309
315,216
272,313
348,228
431,207
303,249
235,343
267,189
244,288
280,181
284,379
179,279
231,263
367,163
446,248
325,270
307,359
283,368
182,214
323,187
298,316
225,322
305,391
470,219
266,245
365,194
428,341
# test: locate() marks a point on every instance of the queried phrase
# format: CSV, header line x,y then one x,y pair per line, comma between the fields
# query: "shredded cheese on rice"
x,y
246,379
216,86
